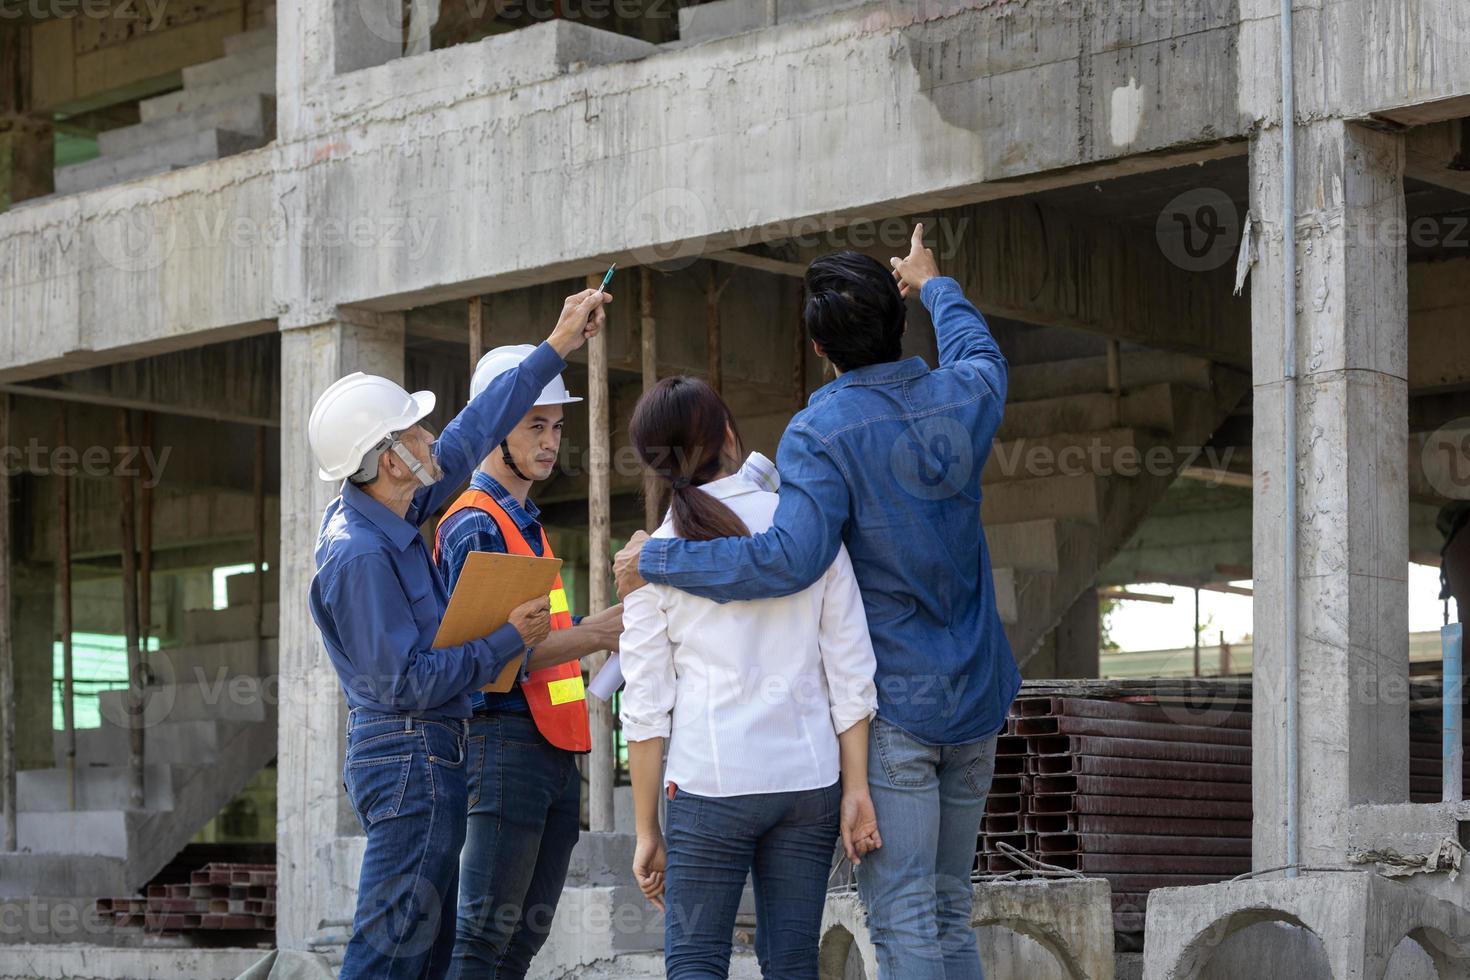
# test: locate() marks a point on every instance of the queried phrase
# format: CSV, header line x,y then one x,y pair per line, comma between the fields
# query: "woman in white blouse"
x,y
764,705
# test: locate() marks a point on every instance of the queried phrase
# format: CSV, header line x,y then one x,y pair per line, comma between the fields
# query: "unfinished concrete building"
x,y
212,210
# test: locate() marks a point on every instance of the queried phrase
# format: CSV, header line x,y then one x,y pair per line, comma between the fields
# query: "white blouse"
x,y
751,695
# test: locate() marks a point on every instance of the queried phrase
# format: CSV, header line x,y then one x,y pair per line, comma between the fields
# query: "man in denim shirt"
x,y
378,601
887,460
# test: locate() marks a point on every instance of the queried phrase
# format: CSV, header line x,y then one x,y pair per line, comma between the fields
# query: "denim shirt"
x,y
474,530
887,460
377,597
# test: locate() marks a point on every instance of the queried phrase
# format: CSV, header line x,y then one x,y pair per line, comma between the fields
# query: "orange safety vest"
x,y
556,695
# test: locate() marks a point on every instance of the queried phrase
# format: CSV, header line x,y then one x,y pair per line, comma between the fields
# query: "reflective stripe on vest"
x,y
557,695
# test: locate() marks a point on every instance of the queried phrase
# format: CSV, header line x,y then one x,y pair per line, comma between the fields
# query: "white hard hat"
x,y
354,415
501,360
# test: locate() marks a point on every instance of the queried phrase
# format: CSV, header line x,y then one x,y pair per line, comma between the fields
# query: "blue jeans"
x,y
786,840
405,778
525,797
916,888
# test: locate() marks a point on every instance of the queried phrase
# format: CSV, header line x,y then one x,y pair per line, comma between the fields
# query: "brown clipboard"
x,y
489,587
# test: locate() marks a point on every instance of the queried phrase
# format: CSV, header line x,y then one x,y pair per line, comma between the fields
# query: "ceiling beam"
x,y
761,263
1440,155
113,401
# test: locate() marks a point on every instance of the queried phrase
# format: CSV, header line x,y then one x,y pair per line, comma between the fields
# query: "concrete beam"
x,y
1404,60
180,260
968,136
1063,100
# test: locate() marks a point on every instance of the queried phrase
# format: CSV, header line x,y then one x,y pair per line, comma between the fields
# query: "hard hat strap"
x,y
412,462
511,463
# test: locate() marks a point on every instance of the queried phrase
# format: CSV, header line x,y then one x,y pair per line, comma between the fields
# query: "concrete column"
x,y
318,39
1078,638
1073,648
312,808
27,158
1351,451
33,629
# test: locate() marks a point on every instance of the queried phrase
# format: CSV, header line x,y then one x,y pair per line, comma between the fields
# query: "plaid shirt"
x,y
471,529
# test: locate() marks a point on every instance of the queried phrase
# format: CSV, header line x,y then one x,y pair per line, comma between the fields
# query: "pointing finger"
x,y
918,240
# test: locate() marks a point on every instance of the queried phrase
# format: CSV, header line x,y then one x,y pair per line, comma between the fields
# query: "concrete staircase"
x,y
210,725
226,106
1077,467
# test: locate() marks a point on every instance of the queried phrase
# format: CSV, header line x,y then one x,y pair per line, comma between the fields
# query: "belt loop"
x,y
408,723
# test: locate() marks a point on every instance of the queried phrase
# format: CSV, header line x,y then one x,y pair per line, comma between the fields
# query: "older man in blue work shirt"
x,y
378,599
887,459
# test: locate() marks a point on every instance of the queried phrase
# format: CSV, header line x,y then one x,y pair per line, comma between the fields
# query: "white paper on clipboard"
x,y
608,679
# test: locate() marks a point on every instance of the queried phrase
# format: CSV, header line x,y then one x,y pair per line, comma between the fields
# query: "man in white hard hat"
x,y
378,600
524,788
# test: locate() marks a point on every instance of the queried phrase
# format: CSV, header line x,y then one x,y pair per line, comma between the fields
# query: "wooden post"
x,y
649,336
713,289
477,330
7,651
712,332
63,584
145,552
1115,379
258,600
130,620
1196,631
600,763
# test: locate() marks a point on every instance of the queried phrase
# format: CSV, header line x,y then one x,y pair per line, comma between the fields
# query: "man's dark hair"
x,y
854,310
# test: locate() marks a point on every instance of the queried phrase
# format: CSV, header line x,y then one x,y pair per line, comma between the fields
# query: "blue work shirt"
x,y
472,529
377,597
887,459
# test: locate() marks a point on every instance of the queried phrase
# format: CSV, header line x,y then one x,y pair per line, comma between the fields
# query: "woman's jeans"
x,y
786,840
405,778
916,888
525,799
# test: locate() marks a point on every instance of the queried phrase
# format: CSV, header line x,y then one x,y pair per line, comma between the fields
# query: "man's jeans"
x,y
524,800
405,778
916,887
786,840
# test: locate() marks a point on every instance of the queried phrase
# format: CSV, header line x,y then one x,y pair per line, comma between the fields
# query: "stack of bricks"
x,y
218,897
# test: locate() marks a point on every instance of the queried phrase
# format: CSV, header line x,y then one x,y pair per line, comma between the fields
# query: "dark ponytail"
x,y
678,429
